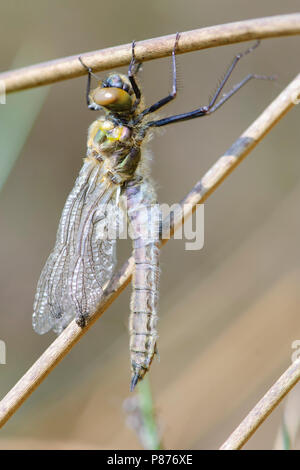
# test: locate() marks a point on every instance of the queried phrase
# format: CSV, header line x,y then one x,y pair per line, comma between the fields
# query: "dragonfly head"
x,y
114,93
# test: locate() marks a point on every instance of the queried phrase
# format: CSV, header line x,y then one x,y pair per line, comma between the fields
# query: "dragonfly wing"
x,y
83,260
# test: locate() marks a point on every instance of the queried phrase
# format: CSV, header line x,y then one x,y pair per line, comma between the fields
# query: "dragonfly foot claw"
x,y
81,321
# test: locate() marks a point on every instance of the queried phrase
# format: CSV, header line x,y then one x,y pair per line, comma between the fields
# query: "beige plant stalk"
x,y
66,68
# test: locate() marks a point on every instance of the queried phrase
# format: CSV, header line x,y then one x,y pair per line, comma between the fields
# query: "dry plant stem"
x,y
211,180
263,408
114,57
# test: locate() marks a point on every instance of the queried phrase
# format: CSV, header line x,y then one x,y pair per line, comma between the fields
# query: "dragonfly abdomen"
x,y
144,217
143,308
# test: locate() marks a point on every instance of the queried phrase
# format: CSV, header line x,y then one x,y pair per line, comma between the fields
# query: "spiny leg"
x,y
88,86
205,110
138,67
229,72
213,106
134,66
171,95
237,87
132,70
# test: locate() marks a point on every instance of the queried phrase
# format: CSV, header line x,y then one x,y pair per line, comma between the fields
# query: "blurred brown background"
x,y
229,312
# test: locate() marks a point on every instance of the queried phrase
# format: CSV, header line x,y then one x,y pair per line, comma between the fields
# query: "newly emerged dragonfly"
x,y
115,172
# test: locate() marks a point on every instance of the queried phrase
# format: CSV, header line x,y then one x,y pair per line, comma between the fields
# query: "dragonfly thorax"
x,y
107,135
114,142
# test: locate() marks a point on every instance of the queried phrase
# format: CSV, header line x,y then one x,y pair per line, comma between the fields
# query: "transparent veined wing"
x,y
83,259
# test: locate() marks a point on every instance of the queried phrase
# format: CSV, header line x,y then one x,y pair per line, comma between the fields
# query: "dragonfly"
x,y
115,172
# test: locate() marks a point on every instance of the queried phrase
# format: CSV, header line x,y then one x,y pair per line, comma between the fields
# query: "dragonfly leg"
x,y
229,72
236,88
213,104
132,70
206,110
90,105
81,321
171,95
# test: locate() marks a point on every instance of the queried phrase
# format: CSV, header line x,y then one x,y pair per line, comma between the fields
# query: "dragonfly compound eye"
x,y
114,80
114,99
